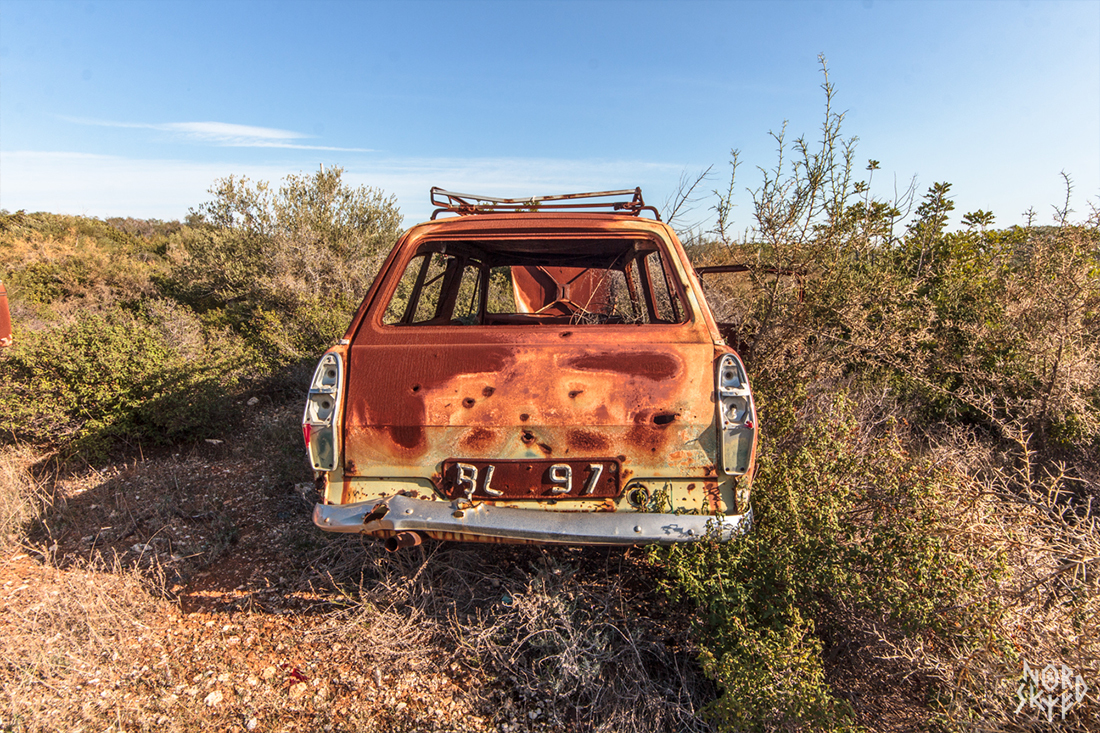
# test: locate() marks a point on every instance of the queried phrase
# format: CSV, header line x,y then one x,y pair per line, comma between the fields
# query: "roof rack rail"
x,y
467,203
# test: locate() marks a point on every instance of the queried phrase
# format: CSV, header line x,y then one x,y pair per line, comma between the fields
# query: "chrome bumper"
x,y
402,514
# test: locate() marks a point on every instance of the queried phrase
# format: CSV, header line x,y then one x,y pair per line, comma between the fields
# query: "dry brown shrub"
x,y
555,638
1045,582
22,496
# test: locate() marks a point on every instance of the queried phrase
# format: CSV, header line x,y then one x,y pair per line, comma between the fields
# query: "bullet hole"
x,y
528,437
416,388
566,334
488,391
524,417
468,402
664,418
573,394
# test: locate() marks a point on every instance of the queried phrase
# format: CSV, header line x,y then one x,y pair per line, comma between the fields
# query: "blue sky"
x,y
135,108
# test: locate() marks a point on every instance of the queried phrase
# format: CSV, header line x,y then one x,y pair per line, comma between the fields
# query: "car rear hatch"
x,y
554,418
518,377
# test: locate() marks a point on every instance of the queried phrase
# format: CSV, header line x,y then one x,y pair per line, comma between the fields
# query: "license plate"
x,y
507,479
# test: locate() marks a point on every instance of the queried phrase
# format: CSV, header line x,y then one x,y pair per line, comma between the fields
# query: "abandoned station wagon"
x,y
533,370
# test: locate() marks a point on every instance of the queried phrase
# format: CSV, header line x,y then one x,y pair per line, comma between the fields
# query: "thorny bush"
x,y
869,343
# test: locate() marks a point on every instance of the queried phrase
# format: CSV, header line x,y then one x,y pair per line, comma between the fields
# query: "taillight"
x,y
736,415
319,424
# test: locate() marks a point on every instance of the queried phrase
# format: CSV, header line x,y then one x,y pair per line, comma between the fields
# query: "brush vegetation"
x,y
928,477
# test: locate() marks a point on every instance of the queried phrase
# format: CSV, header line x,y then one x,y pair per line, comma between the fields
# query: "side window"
x,y
502,298
417,296
468,303
433,288
624,296
667,303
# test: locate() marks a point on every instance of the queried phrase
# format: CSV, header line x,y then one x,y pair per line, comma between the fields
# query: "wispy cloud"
x,y
223,134
104,185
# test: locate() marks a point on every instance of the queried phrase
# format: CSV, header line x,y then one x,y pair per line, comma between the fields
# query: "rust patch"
x,y
645,434
587,440
478,439
654,366
350,469
394,397
410,437
714,496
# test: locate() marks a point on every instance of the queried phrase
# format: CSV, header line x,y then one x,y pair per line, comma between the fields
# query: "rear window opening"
x,y
536,282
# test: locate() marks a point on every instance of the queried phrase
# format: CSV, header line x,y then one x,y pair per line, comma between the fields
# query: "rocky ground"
x,y
189,590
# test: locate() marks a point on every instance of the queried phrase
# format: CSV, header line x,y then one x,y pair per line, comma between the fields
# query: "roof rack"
x,y
467,203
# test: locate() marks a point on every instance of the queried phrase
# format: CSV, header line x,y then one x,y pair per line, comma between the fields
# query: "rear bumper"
x,y
502,524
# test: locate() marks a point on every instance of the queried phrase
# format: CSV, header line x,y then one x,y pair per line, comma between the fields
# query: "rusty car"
x,y
540,370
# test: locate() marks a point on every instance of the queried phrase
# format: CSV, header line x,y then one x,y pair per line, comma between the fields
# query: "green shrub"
x,y
988,338
112,379
845,519
54,264
285,267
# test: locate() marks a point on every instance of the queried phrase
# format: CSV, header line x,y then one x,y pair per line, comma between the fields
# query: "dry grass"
x,y
72,643
1045,536
190,591
236,610
554,638
22,496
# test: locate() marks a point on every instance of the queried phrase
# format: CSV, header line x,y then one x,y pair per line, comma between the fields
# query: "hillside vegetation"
x,y
926,498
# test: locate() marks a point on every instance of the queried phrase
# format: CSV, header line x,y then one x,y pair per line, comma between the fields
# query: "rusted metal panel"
x,y
541,408
435,401
539,289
